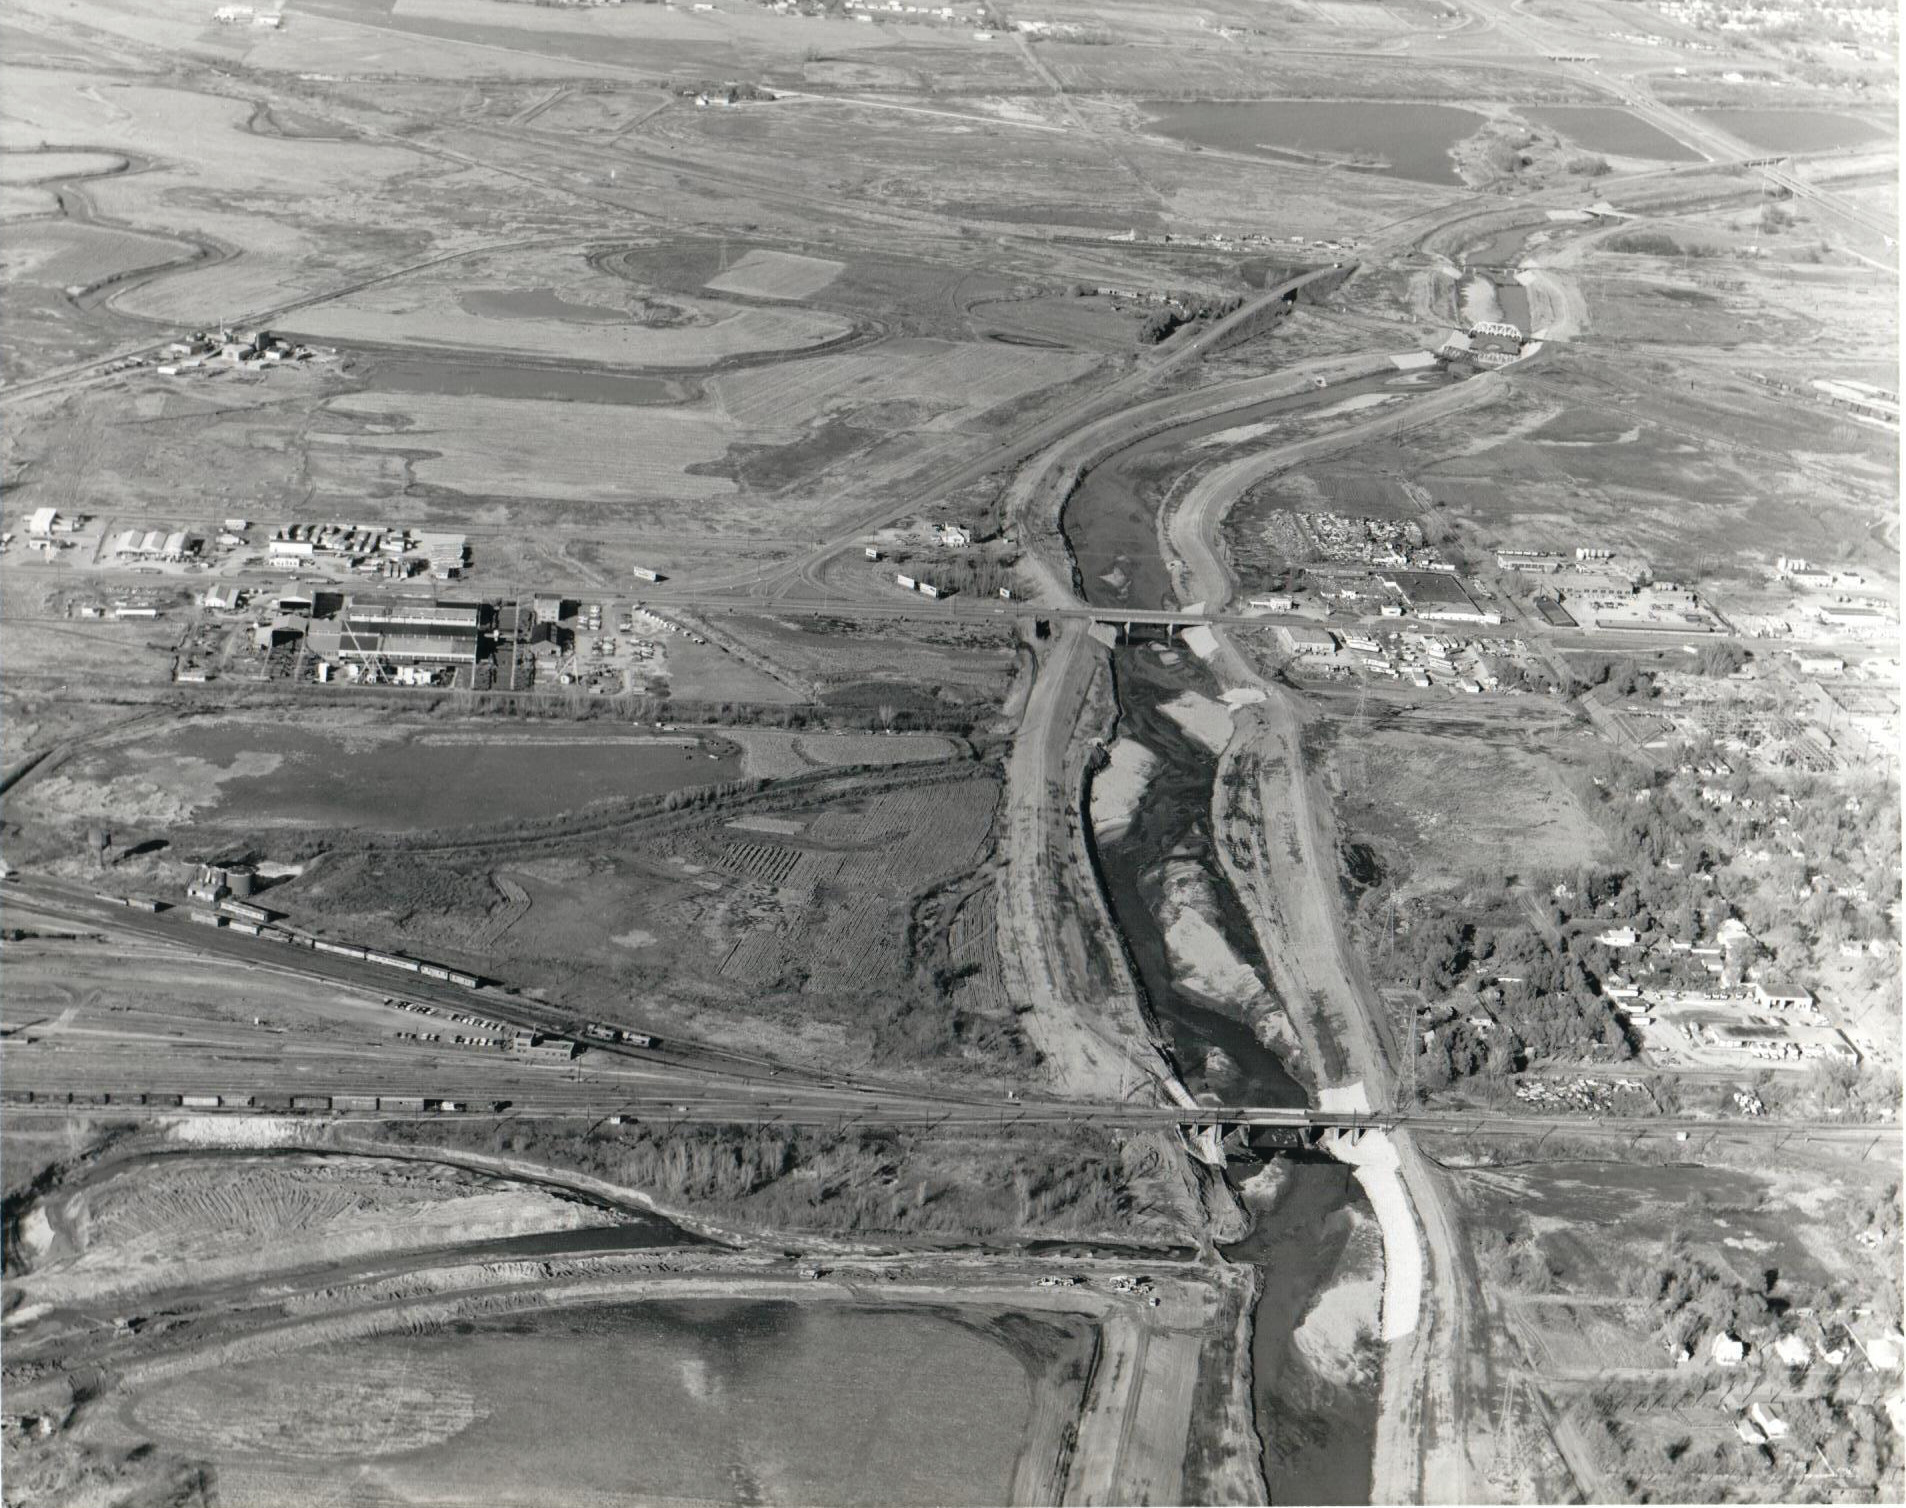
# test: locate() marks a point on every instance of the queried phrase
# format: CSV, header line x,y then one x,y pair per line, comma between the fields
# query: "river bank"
x,y
1195,957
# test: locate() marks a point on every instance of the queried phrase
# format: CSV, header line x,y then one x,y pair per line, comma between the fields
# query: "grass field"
x,y
432,309
867,662
1439,805
1085,324
63,255
773,752
22,202
534,448
201,140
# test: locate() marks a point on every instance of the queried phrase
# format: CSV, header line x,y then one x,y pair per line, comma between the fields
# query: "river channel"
x,y
1110,521
1318,1433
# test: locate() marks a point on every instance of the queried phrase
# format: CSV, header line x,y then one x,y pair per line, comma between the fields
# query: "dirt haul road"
x,y
1278,849
1052,922
1051,910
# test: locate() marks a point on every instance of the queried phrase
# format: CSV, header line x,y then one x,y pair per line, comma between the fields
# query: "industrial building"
x,y
376,631
1300,639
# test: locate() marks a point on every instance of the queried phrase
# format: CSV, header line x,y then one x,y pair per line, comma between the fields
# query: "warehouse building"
x,y
1299,639
400,635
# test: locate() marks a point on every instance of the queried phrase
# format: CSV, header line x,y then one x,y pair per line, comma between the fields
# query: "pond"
x,y
537,303
714,1401
1395,140
1621,133
460,379
400,779
1795,130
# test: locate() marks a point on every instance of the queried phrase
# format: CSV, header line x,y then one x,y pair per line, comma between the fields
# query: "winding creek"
x,y
1318,1431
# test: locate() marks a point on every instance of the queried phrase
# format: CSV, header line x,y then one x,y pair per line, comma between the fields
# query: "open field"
x,y
1435,806
540,303
253,774
1681,481
847,1405
948,382
81,256
595,453
860,663
1086,324
45,167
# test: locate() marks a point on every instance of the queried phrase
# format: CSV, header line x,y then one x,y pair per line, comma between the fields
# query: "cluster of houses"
x,y
1698,996
1420,659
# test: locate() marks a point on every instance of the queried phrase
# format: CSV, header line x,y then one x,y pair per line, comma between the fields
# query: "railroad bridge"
x,y
1223,1134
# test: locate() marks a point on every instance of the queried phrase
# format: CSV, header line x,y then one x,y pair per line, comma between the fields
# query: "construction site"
x,y
785,753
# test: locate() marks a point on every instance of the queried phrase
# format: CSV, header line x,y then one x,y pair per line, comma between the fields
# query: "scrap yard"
x,y
1086,754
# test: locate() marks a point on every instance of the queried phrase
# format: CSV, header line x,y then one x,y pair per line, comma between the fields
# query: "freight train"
x,y
387,960
415,1103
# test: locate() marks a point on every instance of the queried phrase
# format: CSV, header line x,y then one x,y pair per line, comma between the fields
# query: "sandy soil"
x,y
1119,786
1053,929
1208,721
1349,1308
1374,1156
1479,302
222,1219
1557,310
1201,958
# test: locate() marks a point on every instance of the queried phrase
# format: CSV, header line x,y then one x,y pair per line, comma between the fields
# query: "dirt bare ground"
x,y
344,1276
